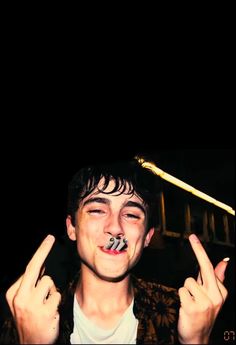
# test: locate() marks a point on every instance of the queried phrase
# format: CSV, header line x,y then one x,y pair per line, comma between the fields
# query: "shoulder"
x,y
8,332
66,311
156,307
153,287
152,296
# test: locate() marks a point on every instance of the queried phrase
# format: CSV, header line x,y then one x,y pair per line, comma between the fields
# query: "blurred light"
x,y
183,185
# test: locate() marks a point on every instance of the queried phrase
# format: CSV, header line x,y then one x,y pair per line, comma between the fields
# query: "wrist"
x,y
194,340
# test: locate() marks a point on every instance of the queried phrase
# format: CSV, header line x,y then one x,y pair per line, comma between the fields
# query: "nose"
x,y
114,227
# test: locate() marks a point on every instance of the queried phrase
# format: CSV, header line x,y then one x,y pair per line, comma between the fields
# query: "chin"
x,y
113,279
109,275
106,274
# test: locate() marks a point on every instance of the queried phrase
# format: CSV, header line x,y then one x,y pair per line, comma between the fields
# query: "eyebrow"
x,y
107,202
136,204
97,199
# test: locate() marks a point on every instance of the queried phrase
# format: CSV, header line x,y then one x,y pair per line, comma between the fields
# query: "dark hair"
x,y
129,177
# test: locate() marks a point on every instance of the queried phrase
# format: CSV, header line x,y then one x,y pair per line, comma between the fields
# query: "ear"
x,y
148,237
70,229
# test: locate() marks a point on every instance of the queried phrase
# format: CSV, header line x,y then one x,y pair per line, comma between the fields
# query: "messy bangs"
x,y
121,185
129,178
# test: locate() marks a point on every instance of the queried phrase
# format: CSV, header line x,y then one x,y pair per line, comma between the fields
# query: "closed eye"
x,y
130,215
96,211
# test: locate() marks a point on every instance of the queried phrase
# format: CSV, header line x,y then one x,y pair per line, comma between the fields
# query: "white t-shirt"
x,y
86,332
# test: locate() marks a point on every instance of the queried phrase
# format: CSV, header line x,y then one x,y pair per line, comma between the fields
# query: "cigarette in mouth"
x,y
110,243
116,243
121,244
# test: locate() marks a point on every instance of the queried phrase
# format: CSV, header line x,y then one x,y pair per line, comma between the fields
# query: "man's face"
x,y
101,216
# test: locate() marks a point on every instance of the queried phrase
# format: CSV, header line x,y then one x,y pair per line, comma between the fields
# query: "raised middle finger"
x,y
33,268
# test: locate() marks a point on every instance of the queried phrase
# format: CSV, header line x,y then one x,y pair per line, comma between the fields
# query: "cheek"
x,y
136,233
136,241
87,231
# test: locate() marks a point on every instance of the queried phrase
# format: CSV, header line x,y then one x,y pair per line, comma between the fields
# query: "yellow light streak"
x,y
183,185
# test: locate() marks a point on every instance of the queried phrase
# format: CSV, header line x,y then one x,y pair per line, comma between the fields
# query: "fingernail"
x,y
194,238
49,238
226,259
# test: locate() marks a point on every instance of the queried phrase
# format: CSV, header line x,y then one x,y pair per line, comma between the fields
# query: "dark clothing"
x,y
155,306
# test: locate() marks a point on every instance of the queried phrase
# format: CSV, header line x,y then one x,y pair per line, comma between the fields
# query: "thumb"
x,y
220,269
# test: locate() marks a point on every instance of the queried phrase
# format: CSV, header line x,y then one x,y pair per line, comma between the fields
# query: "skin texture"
x,y
34,300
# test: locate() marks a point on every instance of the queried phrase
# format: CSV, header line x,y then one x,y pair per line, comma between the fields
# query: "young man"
x,y
111,215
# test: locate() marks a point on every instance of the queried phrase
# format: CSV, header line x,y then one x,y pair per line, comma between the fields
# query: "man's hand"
x,y
34,300
201,299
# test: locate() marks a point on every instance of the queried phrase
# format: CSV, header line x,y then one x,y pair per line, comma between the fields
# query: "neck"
x,y
92,292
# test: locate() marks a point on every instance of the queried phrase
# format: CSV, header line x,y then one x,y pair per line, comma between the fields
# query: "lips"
x,y
112,251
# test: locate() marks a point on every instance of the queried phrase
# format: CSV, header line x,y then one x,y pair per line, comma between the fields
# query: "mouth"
x,y
112,251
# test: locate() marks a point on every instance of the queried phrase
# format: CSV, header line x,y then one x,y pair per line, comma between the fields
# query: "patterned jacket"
x,y
155,306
